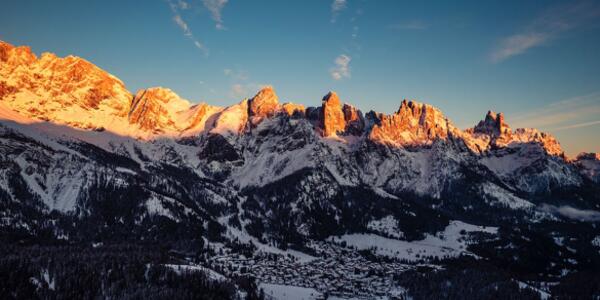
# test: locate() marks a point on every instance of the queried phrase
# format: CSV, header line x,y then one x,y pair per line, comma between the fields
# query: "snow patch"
x,y
288,292
212,275
452,242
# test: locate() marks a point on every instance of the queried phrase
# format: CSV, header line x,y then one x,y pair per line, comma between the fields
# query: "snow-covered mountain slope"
x,y
283,173
589,164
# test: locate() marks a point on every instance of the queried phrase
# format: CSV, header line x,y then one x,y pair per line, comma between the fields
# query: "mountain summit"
x,y
73,91
85,161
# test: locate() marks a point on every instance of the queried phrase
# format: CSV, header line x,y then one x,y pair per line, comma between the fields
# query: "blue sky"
x,y
536,61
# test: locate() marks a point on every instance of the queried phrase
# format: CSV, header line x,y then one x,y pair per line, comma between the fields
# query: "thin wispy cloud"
x,y
355,32
410,25
237,90
215,7
336,7
576,112
341,69
244,90
545,28
183,25
573,213
239,75
183,5
241,85
580,125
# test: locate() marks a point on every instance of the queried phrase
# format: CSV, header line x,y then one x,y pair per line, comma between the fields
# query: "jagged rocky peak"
x,y
66,90
355,122
589,165
332,119
14,56
588,156
232,120
413,124
493,125
493,131
293,109
263,105
532,135
157,109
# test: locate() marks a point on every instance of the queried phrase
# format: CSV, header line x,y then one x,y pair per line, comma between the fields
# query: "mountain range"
x,y
87,162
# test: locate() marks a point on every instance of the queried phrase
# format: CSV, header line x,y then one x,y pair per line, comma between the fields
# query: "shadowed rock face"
x,y
493,124
589,164
355,122
293,109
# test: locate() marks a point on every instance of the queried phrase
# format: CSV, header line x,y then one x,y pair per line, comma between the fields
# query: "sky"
x,y
536,61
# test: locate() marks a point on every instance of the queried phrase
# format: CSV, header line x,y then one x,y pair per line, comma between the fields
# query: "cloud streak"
x,y
244,90
183,5
182,24
572,213
546,27
341,69
336,7
580,125
411,25
215,7
576,112
240,75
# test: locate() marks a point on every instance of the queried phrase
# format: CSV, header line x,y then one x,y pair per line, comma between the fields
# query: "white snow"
x,y
231,120
449,243
154,206
213,275
505,197
381,192
387,225
125,170
246,238
288,292
543,294
46,277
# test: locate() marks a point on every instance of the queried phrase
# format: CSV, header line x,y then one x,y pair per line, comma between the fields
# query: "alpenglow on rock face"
x,y
259,141
72,91
86,161
413,124
263,105
332,120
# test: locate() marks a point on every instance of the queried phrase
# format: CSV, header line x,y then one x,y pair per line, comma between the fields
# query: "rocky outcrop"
x,y
292,109
13,57
333,120
353,117
530,135
157,109
493,124
263,105
589,165
493,132
413,124
66,90
75,92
